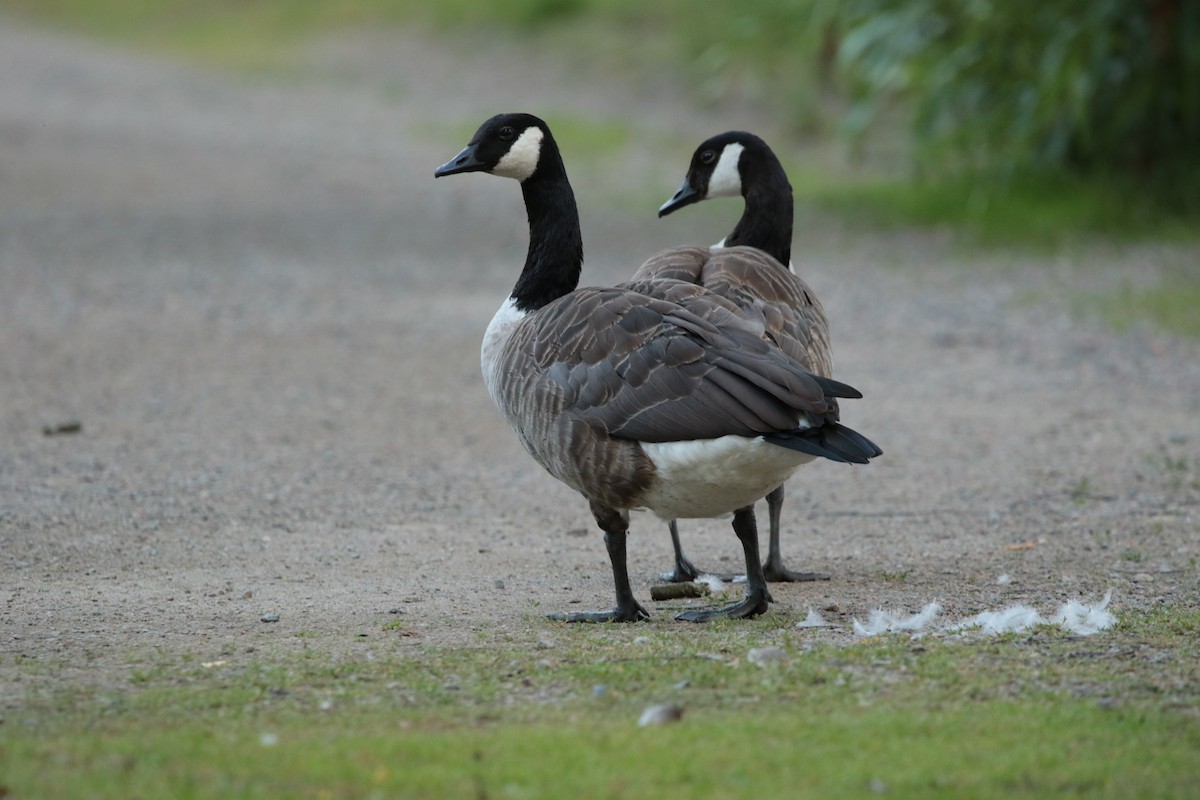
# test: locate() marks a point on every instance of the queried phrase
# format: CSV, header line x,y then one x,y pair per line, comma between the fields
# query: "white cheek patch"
x,y
726,180
522,158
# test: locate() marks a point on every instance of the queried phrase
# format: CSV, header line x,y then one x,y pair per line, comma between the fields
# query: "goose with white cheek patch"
x,y
760,281
650,395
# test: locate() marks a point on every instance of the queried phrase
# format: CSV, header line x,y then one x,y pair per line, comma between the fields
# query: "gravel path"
x,y
264,315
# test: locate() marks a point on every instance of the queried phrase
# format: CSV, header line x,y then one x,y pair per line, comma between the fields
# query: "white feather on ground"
x,y
882,621
1016,618
714,583
814,620
1086,620
1074,616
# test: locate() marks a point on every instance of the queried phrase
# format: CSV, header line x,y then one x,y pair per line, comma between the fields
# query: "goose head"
x,y
723,166
739,163
520,146
507,145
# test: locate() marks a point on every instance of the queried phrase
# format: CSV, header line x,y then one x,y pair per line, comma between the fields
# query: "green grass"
x,y
1172,304
1032,715
1093,752
1038,211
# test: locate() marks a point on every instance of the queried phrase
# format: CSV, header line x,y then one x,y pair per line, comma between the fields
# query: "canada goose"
x,y
731,164
656,395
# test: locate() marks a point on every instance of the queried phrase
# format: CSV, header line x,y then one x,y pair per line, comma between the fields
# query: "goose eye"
x,y
708,157
507,133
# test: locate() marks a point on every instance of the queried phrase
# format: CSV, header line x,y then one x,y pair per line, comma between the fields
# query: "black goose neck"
x,y
766,221
555,258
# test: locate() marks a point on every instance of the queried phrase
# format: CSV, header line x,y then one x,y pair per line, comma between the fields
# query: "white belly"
x,y
713,477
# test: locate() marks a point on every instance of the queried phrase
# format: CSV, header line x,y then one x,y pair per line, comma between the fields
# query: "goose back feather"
x,y
761,288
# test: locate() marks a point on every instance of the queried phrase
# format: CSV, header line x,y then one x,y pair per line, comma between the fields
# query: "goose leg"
x,y
685,570
615,525
757,595
774,569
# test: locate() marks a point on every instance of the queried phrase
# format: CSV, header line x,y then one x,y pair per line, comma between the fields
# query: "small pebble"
x,y
72,426
662,714
272,617
765,655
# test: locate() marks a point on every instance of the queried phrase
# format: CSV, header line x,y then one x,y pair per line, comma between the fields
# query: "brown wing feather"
x,y
654,370
603,368
760,288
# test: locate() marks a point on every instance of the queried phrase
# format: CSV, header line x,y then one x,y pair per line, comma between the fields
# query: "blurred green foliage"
x,y
1077,84
985,87
1074,85
986,97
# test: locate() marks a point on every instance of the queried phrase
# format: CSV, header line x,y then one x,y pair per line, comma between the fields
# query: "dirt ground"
x,y
264,315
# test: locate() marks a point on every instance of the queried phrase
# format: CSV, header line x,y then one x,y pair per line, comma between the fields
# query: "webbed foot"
x,y
632,614
776,572
752,606
758,597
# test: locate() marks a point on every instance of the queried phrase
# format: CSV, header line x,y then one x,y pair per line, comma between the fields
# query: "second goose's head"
x,y
509,145
724,166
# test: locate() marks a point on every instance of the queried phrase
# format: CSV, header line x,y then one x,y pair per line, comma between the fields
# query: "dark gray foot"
x,y
758,597
685,572
778,573
774,570
614,523
634,614
750,607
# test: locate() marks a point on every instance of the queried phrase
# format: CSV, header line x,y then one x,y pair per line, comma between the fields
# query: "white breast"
x,y
505,320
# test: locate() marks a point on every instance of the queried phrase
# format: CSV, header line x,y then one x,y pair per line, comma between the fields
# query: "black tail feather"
x,y
833,388
859,442
832,440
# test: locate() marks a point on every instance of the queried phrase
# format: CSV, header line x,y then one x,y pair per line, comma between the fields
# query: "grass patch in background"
x,y
1173,303
260,35
734,46
732,50
1040,211
1031,715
